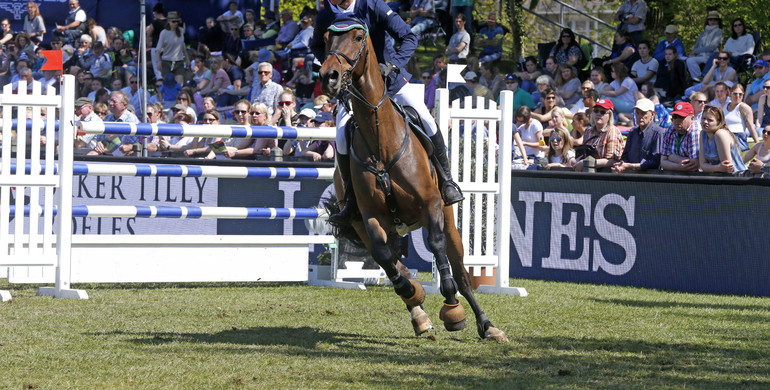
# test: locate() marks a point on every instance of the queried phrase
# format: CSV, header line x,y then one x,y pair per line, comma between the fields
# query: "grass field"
x,y
287,336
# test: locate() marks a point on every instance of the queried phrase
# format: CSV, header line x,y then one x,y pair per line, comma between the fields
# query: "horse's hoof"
x,y
453,316
495,334
420,321
418,298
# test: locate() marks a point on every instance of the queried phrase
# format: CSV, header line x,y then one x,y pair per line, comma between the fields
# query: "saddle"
x,y
413,121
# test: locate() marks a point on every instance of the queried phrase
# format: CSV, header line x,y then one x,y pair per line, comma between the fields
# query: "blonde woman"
x,y
560,152
739,118
603,136
259,117
718,145
34,25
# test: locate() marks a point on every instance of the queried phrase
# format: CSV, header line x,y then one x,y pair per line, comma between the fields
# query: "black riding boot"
x,y
343,217
450,191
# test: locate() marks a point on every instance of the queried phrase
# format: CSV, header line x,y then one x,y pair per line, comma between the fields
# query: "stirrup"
x,y
345,215
451,193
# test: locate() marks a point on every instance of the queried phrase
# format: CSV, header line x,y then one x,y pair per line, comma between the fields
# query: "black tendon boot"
x,y
344,216
450,191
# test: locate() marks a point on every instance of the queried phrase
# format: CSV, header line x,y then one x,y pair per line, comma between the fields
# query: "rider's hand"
x,y
387,68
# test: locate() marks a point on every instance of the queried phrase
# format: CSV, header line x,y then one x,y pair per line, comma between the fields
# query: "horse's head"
x,y
346,41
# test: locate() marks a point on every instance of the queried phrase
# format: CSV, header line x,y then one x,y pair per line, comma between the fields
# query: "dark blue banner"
x,y
687,234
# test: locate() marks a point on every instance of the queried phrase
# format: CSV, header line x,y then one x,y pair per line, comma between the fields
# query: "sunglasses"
x,y
285,103
265,72
550,97
700,101
737,25
723,58
765,132
101,112
555,139
239,112
132,82
737,93
766,87
600,112
256,113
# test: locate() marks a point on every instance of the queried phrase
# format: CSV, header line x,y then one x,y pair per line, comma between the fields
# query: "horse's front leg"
x,y
409,290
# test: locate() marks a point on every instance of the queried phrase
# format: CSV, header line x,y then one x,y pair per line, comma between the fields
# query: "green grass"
x,y
287,336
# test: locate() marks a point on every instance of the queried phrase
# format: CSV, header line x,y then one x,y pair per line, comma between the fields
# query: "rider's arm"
x,y
400,31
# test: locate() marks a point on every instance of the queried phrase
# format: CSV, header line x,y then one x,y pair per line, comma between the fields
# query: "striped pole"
x,y
221,131
15,122
184,212
153,170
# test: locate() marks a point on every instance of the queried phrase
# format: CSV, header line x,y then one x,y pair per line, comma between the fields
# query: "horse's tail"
x,y
340,230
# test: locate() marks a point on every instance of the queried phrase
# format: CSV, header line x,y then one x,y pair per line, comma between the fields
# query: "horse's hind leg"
x,y
455,253
420,320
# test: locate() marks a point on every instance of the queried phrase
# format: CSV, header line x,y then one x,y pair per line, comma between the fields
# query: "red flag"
x,y
53,60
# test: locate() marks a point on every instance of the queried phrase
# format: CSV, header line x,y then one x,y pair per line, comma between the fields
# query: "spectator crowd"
x,y
647,106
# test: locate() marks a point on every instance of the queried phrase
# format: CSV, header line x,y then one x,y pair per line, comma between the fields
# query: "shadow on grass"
x,y
689,305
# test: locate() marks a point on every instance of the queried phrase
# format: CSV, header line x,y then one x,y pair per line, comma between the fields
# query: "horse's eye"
x,y
359,38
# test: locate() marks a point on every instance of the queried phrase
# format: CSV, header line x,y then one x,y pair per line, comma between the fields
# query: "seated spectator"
x,y
739,118
542,83
622,92
740,45
560,152
289,29
490,78
490,40
219,78
95,86
263,89
212,35
231,18
721,71
238,88
101,110
642,150
186,100
232,42
472,82
568,85
459,43
755,91
680,144
763,112
551,68
117,145
201,73
646,68
558,119
542,113
520,96
423,16
529,75
74,24
623,52
303,84
672,77
580,106
718,146
521,160
100,63
247,32
698,101
284,113
84,113
579,124
25,74
672,39
567,51
25,46
603,136
134,92
722,99
759,155
169,90
300,45
531,133
270,30
599,79
708,42
320,150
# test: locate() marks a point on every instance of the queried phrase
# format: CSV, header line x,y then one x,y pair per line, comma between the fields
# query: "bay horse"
x,y
394,182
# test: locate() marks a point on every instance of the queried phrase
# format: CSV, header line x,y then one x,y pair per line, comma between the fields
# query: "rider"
x,y
379,18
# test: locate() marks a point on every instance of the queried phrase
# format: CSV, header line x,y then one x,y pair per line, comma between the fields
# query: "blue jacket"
x,y
644,147
660,50
380,19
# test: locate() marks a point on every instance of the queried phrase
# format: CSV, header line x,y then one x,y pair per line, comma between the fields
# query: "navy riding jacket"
x,y
380,19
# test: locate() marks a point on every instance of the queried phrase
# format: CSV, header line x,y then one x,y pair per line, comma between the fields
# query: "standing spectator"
x,y
34,25
491,40
739,118
761,75
423,16
718,146
567,51
464,7
231,18
672,77
642,150
708,42
211,35
460,43
646,68
520,96
680,147
7,33
671,39
171,48
74,24
289,29
631,16
153,31
263,89
603,136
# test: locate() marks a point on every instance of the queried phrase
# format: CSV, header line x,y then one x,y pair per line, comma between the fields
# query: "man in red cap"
x,y
681,142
